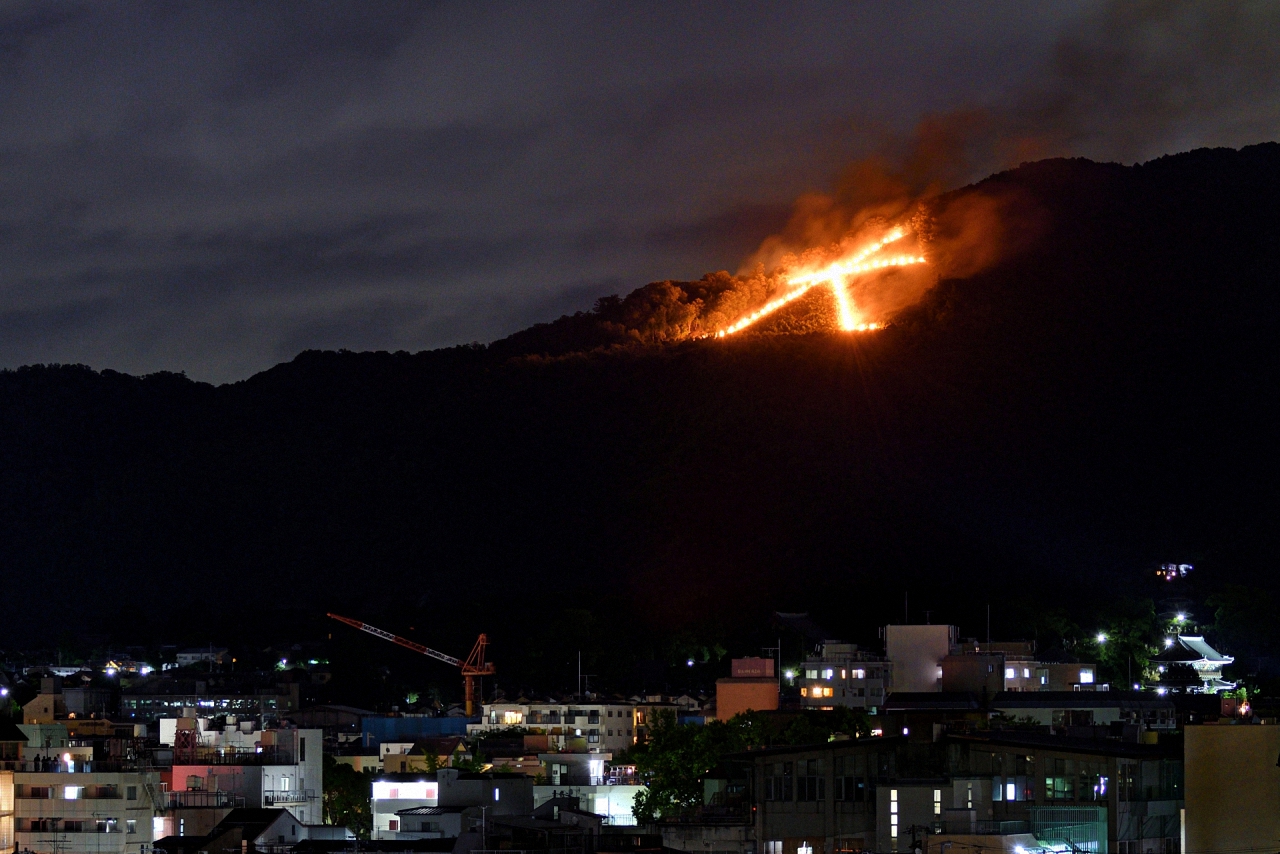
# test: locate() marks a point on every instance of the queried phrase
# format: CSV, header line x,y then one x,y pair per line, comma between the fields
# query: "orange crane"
x,y
472,669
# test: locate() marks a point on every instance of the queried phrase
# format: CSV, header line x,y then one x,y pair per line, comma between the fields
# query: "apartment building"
x,y
582,726
255,768
843,675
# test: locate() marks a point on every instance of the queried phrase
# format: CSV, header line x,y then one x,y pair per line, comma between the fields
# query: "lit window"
x,y
495,793
828,673
1010,673
859,674
1026,673
1011,791
937,802
72,793
1086,676
811,674
844,674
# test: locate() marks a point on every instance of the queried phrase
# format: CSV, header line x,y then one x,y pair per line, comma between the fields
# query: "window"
x,y
810,782
130,826
609,732
773,846
811,674
1010,673
859,674
73,826
393,824
828,673
893,814
302,749
937,802
1026,673
495,793
779,781
131,792
72,793
1086,677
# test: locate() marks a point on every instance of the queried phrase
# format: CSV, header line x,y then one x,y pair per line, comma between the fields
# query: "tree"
x,y
677,758
346,796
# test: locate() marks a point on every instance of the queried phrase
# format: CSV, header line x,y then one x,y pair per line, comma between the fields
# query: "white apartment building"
x,y
259,768
590,727
74,812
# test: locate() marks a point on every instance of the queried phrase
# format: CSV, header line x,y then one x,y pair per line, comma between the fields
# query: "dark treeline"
x,y
1035,436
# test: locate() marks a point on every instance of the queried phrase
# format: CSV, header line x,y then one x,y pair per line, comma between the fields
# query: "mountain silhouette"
x,y
1039,432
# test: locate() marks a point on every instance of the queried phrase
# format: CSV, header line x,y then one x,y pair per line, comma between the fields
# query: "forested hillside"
x,y
1038,434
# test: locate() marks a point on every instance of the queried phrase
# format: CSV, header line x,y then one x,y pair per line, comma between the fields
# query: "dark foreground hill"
x,y
1037,435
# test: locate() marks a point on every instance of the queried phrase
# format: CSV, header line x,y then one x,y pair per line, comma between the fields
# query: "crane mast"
x,y
473,668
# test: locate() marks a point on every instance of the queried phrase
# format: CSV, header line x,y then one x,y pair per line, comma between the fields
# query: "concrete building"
x,y
195,655
843,675
915,654
258,768
160,696
586,726
995,791
1233,787
751,686
404,805
257,831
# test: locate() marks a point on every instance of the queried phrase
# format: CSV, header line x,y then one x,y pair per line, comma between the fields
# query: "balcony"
x,y
198,799
271,798
51,793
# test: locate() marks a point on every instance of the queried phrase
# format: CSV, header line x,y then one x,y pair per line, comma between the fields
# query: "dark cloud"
x,y
210,187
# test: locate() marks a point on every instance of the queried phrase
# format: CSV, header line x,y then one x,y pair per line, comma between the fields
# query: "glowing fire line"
x,y
835,276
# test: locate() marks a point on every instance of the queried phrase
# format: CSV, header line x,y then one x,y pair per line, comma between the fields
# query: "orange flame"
x,y
835,275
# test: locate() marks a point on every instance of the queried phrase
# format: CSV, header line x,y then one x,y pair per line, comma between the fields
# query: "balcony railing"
x,y
54,793
985,827
195,799
297,796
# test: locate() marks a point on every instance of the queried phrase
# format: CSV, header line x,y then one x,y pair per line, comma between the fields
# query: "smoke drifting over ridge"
x,y
1133,78
214,189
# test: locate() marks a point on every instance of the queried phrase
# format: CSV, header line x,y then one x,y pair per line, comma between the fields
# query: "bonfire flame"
x,y
835,275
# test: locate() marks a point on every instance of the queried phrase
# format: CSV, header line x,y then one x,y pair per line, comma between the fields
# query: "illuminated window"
x,y
859,674
1086,676
512,718
72,793
804,692
1011,791
893,813
937,802
811,674
1010,673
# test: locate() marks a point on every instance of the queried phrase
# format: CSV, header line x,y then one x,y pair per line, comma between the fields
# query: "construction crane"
x,y
472,669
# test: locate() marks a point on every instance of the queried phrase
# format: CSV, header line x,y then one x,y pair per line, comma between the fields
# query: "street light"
x,y
1102,638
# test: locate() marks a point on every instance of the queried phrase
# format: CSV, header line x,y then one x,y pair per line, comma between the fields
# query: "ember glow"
x,y
835,275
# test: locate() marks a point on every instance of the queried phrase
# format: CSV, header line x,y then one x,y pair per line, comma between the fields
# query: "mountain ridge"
x,y
1091,402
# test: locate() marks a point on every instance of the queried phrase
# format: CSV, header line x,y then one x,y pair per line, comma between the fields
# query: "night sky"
x,y
213,187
